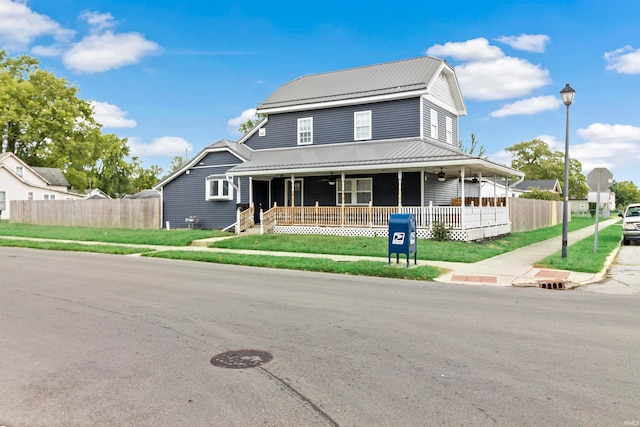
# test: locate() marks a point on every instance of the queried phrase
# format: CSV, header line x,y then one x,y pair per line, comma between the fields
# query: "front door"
x,y
261,198
296,197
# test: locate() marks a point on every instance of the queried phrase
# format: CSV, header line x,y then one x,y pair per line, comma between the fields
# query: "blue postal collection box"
x,y
402,236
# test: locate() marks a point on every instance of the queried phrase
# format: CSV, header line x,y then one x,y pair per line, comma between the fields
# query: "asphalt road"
x,y
92,339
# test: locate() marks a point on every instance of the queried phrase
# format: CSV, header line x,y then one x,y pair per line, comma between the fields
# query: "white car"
x,y
631,223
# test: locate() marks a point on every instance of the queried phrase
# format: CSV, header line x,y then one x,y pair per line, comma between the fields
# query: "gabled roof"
x,y
391,79
403,153
53,175
145,194
542,184
241,151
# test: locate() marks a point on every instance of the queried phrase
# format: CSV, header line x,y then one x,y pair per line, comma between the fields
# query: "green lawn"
x,y
580,255
377,246
110,235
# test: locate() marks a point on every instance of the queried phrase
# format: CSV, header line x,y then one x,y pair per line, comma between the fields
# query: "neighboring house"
x,y
96,194
145,194
19,181
338,152
499,188
551,185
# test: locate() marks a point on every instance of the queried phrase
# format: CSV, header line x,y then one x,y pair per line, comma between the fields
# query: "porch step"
x,y
254,229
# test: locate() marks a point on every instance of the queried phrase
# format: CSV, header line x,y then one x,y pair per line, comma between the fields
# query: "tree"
x,y
538,161
539,194
250,123
474,148
177,163
43,122
626,192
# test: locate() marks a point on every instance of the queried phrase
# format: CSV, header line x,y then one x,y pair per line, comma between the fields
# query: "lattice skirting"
x,y
423,233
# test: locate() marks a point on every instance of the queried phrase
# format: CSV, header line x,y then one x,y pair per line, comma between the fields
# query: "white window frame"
x,y
367,126
3,200
353,192
305,136
224,189
19,170
449,121
434,124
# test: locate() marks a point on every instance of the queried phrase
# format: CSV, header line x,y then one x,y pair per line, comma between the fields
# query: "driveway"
x,y
623,277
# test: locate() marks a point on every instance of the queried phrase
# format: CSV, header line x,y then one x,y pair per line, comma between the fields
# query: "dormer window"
x,y
305,131
19,170
362,125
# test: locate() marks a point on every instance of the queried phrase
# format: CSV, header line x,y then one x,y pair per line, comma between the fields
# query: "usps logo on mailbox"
x,y
398,238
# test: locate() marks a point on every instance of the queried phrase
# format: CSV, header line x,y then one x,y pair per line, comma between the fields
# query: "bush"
x,y
440,232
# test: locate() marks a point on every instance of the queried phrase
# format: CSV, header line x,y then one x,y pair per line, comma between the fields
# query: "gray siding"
x,y
185,195
392,119
441,193
442,122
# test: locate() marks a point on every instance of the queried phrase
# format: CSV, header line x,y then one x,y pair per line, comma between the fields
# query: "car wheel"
x,y
625,242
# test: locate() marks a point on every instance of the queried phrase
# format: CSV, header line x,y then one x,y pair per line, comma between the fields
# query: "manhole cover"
x,y
241,359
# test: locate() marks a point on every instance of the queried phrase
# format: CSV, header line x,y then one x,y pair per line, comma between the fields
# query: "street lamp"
x,y
567,97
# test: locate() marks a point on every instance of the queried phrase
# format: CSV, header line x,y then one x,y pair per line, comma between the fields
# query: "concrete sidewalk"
x,y
513,268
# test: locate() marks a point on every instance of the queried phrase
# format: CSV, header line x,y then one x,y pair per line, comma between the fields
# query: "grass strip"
x,y
580,256
160,237
74,247
431,250
355,268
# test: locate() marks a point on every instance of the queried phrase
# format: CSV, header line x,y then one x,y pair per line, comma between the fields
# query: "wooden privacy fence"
x,y
117,213
531,214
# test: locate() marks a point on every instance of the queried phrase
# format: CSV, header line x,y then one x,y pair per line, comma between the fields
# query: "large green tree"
x,y
538,161
43,122
626,192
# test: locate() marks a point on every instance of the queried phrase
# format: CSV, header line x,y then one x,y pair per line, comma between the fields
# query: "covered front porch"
x,y
354,192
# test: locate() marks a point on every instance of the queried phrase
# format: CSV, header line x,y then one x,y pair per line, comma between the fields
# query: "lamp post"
x,y
567,97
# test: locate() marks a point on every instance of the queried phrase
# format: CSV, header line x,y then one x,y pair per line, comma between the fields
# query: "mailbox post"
x,y
402,236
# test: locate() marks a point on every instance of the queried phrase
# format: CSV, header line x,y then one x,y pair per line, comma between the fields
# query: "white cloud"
x,y
50,51
108,51
98,21
615,147
111,116
165,146
487,74
246,115
471,50
529,106
528,42
502,78
19,25
625,60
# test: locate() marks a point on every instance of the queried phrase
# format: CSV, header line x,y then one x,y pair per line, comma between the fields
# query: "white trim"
x,y
433,124
298,131
369,125
287,190
448,133
221,181
253,131
343,102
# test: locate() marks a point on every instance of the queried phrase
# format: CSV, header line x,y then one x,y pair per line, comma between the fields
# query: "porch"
x,y
466,223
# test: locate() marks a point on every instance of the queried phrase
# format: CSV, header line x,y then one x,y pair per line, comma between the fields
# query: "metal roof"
x,y
373,155
380,79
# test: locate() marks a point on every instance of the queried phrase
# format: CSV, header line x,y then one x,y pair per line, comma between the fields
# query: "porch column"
x,y
462,198
239,195
480,196
399,189
250,190
422,189
293,197
342,202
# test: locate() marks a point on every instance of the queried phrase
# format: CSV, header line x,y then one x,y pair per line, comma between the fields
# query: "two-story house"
x,y
338,152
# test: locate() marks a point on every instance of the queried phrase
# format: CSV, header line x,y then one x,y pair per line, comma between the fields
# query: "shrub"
x,y
440,232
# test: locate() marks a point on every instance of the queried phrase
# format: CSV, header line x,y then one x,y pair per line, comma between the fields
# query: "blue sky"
x,y
174,77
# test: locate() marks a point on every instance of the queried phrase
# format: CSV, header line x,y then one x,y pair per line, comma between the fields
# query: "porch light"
x,y
441,175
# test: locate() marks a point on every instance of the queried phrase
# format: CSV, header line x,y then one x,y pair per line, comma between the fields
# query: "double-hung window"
x,y
449,130
218,188
305,131
362,125
434,124
357,191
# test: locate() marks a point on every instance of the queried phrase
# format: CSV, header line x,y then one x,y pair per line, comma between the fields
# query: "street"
x,y
91,339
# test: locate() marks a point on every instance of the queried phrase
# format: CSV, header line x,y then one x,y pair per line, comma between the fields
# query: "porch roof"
x,y
395,154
